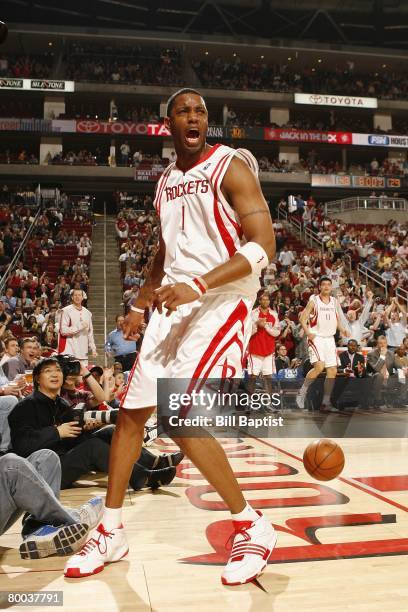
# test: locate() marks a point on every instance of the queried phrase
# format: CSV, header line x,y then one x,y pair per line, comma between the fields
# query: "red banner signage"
x,y
340,138
149,172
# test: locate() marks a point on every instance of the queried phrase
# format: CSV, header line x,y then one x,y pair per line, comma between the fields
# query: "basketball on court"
x,y
323,459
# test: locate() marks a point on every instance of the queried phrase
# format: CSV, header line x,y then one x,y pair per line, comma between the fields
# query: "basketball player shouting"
x,y
216,237
320,320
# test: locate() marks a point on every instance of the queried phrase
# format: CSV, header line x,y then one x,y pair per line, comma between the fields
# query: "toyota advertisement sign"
x,y
125,128
335,100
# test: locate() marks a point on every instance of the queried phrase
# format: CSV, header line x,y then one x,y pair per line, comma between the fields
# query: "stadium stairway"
x,y
105,294
293,242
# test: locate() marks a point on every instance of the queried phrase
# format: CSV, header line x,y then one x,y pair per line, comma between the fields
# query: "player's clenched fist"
x,y
171,296
132,325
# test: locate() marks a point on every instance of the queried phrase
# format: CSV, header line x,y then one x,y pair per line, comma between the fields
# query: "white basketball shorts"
x,y
257,364
323,348
204,339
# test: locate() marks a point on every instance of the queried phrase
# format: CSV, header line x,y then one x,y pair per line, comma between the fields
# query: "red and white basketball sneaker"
x,y
252,547
102,547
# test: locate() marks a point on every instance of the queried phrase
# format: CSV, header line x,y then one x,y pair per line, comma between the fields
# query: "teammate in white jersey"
x,y
216,237
320,320
75,335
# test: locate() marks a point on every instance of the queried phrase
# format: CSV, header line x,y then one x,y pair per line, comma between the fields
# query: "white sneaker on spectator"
x,y
66,539
91,512
49,540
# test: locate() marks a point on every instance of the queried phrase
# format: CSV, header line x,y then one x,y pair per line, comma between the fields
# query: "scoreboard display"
x,y
365,182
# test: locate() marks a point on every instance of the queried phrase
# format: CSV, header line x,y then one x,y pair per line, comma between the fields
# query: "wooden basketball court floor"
x,y
342,545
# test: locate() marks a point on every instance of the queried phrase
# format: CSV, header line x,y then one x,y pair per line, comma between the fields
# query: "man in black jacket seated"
x,y
352,364
44,420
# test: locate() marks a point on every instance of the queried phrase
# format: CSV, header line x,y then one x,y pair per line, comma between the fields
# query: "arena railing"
x,y
368,203
403,294
295,225
306,234
18,253
374,277
312,238
19,198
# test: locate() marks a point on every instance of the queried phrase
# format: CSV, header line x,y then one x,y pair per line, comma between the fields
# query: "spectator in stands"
x,y
62,291
282,360
45,420
123,351
380,366
356,324
73,389
353,366
122,227
352,362
11,349
288,329
21,272
49,337
124,153
79,267
83,248
22,362
31,487
286,258
395,318
9,299
24,301
401,358
301,346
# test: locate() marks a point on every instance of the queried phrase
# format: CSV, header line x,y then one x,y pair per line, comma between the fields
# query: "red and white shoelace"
x,y
245,546
100,543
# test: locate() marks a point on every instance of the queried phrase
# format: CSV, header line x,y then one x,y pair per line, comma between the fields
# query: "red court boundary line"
x,y
349,482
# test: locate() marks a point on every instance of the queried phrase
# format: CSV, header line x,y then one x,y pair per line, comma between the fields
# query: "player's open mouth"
x,y
193,136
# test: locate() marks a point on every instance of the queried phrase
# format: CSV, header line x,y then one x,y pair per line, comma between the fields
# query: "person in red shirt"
x,y
261,348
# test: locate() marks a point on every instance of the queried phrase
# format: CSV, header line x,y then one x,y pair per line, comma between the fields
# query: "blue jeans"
x,y
32,485
7,403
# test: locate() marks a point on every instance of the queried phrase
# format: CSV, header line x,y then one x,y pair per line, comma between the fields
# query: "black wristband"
x,y
87,375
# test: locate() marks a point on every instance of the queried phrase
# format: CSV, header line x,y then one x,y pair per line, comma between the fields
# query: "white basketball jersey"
x,y
198,226
323,319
